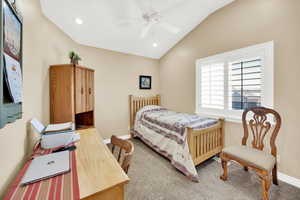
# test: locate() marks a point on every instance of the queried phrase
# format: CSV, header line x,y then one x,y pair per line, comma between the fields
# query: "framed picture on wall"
x,y
12,39
12,52
145,82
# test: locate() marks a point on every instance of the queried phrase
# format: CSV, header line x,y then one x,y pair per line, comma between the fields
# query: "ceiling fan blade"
x,y
129,22
120,9
169,27
173,7
146,30
140,5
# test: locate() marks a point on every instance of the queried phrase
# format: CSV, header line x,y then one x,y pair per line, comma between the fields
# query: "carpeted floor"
x,y
152,177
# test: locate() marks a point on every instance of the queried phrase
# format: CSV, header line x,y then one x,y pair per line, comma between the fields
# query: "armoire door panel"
x,y
92,99
83,91
80,93
61,94
90,90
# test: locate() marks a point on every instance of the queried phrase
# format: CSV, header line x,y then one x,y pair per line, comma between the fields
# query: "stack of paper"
x,y
57,140
59,127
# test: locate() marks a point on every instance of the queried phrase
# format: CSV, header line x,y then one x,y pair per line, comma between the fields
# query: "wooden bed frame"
x,y
203,144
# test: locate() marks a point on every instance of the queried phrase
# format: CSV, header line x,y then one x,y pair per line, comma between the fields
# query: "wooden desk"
x,y
99,174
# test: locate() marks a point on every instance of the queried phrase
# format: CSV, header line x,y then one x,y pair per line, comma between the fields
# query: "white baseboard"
x,y
124,137
283,177
289,179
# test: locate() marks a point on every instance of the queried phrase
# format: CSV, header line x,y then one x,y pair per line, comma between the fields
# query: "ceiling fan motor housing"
x,y
152,16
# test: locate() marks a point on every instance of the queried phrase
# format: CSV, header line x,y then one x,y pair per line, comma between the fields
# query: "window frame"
x,y
265,51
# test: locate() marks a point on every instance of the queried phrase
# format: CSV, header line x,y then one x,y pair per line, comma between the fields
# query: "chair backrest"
x,y
126,148
39,127
260,125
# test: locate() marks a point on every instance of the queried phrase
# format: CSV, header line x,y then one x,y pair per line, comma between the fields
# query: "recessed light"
x,y
154,44
78,21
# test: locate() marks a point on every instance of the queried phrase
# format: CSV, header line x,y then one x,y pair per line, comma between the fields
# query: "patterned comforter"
x,y
166,132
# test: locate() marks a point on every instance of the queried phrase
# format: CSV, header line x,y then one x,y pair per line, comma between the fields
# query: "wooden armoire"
x,y
72,95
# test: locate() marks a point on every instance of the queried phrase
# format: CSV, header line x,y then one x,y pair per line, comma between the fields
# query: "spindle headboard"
x,y
137,102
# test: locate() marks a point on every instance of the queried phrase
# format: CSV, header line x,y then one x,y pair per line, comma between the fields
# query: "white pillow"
x,y
149,107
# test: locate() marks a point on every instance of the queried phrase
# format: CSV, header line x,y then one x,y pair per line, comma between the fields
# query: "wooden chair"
x,y
124,153
262,162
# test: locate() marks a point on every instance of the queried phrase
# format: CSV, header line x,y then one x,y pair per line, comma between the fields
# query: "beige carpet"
x,y
153,178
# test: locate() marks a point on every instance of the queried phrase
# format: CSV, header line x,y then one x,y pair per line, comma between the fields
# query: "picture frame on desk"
x,y
11,63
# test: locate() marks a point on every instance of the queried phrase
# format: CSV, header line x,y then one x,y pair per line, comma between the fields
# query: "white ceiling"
x,y
117,24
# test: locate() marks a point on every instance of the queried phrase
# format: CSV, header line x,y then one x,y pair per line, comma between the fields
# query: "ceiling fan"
x,y
152,17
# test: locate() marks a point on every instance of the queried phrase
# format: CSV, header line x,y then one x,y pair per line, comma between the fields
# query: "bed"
x,y
187,140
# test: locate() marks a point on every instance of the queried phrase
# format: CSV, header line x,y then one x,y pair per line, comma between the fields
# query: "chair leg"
x,y
265,188
265,183
132,135
224,166
246,168
274,175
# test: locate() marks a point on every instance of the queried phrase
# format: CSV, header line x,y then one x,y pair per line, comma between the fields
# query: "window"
x,y
228,83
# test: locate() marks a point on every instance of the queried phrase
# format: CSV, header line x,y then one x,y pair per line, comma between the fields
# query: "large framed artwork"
x,y
11,64
12,53
12,33
145,82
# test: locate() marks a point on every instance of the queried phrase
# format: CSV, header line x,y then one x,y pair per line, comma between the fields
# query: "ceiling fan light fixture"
x,y
78,21
154,44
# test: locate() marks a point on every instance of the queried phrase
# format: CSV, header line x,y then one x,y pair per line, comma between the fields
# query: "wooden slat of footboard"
x,y
210,140
198,146
214,139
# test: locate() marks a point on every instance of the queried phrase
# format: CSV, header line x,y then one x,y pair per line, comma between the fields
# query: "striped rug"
x,y
64,187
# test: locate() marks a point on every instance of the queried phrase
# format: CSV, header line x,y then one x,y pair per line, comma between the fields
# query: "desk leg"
x,y
115,193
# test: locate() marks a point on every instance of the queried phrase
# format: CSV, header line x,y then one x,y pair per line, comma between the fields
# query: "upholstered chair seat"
x,y
254,157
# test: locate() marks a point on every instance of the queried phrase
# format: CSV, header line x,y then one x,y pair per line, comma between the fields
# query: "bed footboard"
x,y
206,143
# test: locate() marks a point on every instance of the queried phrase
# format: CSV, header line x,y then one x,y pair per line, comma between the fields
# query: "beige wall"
x,y
44,44
240,24
116,76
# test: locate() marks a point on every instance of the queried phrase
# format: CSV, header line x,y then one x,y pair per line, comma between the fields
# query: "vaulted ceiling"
x,y
141,27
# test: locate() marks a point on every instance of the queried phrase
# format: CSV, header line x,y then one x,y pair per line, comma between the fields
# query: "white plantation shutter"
x,y
230,82
212,86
